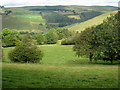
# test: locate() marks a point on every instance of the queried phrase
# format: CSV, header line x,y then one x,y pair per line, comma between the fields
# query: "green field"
x,y
24,22
58,70
94,21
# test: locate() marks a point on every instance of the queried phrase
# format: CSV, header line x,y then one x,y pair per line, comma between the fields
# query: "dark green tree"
x,y
85,44
100,42
108,39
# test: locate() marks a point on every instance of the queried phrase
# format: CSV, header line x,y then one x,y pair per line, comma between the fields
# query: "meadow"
x,y
59,68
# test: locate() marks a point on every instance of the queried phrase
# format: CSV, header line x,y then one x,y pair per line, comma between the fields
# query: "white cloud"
x,y
58,2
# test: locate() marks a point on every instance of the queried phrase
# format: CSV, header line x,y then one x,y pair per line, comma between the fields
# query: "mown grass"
x,y
94,21
58,70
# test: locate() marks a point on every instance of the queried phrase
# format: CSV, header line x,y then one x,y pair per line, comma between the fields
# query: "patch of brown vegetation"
x,y
74,16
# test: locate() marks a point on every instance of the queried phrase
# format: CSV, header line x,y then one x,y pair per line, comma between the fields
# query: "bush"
x,y
26,51
68,41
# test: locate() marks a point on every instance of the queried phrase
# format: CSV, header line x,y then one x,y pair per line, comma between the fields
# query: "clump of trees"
x,y
53,35
9,37
26,51
100,42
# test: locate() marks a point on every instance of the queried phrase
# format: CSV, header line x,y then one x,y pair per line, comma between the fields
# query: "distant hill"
x,y
94,21
42,18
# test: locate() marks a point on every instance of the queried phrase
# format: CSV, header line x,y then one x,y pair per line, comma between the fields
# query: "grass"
x,y
94,21
48,76
24,22
57,70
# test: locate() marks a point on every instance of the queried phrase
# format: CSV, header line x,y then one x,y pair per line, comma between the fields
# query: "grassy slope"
x,y
94,21
21,22
57,70
23,19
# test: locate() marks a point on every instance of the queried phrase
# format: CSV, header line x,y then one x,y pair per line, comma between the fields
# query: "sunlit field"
x,y
59,68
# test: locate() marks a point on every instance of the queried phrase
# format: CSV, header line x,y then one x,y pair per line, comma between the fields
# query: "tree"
x,y
26,51
100,42
85,44
51,37
108,39
39,38
9,37
63,33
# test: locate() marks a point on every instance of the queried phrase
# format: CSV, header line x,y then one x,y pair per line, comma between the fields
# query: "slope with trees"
x,y
94,21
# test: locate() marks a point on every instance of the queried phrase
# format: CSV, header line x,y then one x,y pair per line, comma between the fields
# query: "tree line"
x,y
12,37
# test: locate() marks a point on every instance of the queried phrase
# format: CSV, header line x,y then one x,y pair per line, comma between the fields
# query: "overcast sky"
x,y
14,3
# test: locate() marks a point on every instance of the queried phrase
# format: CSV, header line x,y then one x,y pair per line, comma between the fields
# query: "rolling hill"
x,y
42,18
94,21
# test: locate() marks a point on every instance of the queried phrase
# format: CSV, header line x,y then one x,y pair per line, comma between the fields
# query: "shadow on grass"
x,y
85,61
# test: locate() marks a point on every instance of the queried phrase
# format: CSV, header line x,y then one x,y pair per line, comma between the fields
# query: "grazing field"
x,y
94,21
59,68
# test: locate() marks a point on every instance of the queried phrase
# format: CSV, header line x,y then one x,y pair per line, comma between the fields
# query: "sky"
x,y
17,3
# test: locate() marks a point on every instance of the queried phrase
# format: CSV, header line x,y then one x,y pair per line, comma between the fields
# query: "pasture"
x,y
59,68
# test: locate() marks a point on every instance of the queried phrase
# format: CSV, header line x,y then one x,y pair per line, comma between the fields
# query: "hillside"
x,y
42,18
94,21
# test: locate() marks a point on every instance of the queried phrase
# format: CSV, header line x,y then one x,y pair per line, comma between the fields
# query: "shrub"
x,y
26,51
